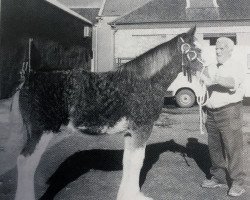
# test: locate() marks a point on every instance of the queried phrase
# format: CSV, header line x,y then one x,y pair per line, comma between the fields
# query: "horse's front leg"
x,y
27,163
133,157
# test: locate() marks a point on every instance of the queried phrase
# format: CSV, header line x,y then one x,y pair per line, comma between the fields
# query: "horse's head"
x,y
190,53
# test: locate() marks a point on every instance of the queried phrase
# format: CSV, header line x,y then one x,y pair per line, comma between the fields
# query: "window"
x,y
151,35
212,37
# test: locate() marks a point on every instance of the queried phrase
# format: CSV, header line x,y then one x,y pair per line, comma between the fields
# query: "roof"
x,y
67,10
120,7
42,18
88,13
82,3
201,3
167,11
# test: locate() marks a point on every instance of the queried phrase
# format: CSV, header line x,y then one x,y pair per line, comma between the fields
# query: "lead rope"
x,y
202,95
201,99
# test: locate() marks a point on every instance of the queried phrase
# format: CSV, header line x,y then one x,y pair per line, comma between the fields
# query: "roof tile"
x,y
120,7
175,11
88,13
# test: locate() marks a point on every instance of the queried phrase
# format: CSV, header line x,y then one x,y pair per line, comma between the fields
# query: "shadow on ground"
x,y
169,102
111,160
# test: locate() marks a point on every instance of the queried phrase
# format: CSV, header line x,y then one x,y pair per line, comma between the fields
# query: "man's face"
x,y
223,52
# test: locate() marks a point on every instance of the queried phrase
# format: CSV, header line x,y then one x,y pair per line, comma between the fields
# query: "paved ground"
x,y
90,167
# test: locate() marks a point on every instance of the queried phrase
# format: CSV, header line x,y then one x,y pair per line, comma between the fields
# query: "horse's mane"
x,y
150,62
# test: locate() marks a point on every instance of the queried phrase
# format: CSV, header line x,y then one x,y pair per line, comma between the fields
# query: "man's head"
x,y
224,49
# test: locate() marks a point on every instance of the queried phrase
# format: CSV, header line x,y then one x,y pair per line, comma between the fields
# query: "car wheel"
x,y
185,98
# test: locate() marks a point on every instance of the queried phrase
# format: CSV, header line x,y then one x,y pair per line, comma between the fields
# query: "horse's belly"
x,y
122,125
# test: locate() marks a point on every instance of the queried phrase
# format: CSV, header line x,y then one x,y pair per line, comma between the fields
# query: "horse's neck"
x,y
147,64
155,63
168,71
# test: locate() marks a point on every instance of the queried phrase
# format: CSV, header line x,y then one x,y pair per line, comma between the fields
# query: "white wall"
x,y
104,47
133,42
129,43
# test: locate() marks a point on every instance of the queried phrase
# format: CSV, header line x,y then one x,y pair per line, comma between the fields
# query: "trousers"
x,y
225,143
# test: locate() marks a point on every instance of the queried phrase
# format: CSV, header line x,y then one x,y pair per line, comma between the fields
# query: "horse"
x,y
128,99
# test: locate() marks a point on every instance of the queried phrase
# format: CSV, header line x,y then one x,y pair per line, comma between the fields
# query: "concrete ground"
x,y
89,167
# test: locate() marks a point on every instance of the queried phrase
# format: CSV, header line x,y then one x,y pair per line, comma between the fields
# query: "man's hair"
x,y
227,41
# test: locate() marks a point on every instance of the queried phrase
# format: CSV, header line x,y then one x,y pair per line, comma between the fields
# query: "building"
x,y
105,34
89,9
92,15
42,20
158,21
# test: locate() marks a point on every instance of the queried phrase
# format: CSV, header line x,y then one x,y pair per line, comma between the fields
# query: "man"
x,y
224,83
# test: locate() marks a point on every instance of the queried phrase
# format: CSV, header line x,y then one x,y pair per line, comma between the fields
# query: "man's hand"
x,y
206,80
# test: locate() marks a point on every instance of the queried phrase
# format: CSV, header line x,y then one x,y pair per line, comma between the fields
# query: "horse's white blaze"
x,y
26,167
120,126
132,164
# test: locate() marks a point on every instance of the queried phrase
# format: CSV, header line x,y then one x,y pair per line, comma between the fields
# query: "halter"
x,y
190,57
201,95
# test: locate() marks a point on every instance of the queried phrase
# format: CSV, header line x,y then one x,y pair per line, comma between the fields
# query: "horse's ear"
x,y
192,31
190,35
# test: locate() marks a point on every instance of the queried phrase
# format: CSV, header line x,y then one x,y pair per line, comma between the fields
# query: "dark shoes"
x,y
236,190
213,183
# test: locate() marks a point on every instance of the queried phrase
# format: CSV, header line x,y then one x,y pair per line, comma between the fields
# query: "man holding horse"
x,y
224,83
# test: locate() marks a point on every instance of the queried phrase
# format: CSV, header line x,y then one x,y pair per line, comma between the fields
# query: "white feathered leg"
x,y
26,168
132,163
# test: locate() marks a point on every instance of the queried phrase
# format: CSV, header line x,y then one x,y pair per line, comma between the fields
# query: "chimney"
x,y
201,4
202,10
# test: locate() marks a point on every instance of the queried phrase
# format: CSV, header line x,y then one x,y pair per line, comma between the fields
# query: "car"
x,y
185,92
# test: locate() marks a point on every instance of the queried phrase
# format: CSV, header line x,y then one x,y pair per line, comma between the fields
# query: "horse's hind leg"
x,y
27,163
133,157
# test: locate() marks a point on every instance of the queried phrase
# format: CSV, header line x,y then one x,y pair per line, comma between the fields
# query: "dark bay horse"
x,y
129,99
